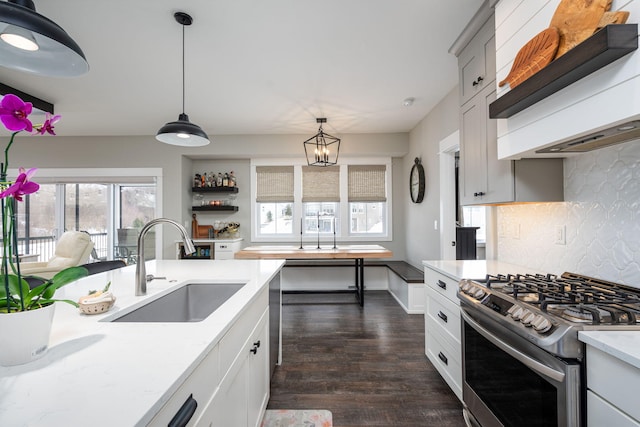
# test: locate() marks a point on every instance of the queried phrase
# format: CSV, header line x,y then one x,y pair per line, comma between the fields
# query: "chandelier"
x,y
322,149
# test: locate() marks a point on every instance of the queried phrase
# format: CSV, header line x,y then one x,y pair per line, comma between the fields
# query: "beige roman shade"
x,y
274,184
320,184
367,183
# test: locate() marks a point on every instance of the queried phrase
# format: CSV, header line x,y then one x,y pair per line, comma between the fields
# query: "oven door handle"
x,y
516,354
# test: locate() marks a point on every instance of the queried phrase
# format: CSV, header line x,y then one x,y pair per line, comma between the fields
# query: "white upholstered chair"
x,y
73,249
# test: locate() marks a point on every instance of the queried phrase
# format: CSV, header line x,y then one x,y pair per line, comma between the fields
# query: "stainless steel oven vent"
x,y
593,141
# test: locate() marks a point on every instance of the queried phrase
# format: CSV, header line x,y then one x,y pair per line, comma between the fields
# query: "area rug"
x,y
297,418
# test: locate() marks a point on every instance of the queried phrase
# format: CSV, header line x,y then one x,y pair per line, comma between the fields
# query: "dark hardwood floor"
x,y
366,365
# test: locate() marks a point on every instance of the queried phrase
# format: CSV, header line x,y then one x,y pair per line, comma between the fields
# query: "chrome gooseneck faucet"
x,y
141,273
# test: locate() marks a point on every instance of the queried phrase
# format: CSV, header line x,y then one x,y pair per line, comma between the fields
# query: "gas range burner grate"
x,y
574,297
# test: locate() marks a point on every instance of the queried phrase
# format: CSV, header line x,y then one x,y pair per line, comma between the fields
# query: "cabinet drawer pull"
x,y
223,246
256,345
477,81
442,284
442,316
443,358
478,194
184,414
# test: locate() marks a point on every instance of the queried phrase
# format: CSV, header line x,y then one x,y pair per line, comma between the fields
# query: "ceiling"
x,y
252,66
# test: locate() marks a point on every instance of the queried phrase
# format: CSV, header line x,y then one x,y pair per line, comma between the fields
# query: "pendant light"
x,y
33,43
322,149
182,132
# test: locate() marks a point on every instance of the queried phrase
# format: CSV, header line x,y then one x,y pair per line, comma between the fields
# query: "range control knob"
x,y
465,286
478,292
516,312
540,324
527,318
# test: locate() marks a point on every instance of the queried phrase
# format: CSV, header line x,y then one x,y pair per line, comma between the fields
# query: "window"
x,y
321,199
86,202
274,200
475,216
298,201
367,199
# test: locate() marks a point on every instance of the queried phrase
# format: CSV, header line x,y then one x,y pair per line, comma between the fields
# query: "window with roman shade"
x,y
320,184
367,183
274,184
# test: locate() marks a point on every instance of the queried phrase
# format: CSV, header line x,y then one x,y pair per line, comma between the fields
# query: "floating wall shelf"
x,y
215,208
214,189
604,47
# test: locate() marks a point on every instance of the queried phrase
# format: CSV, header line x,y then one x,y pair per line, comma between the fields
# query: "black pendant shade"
x,y
322,149
46,48
182,132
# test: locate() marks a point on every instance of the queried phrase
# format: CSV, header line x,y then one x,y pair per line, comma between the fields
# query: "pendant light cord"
x,y
182,68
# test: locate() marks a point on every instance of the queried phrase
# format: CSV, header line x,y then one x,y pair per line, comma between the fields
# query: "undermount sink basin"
x,y
192,302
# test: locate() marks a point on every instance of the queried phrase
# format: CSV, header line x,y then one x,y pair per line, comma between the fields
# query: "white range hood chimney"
x,y
598,109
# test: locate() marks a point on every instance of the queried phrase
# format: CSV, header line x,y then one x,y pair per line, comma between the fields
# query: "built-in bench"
x,y
403,281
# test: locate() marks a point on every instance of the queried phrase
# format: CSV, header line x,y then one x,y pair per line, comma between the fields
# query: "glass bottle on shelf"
x,y
232,179
219,181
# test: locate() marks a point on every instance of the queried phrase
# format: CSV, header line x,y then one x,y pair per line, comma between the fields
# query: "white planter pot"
x,y
24,336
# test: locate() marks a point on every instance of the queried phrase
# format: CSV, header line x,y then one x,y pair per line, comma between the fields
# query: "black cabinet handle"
x,y
257,343
479,193
443,358
184,414
477,81
442,316
442,284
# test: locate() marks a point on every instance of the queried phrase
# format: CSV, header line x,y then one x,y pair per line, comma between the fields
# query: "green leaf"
x,y
69,275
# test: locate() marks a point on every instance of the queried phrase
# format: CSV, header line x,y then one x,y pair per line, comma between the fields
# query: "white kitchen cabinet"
x,y
242,396
612,395
442,328
200,386
477,63
483,178
231,385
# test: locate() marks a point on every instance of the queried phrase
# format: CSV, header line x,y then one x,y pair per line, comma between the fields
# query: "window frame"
x,y
344,234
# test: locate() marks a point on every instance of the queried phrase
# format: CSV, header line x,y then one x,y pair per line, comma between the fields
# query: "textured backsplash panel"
x,y
601,216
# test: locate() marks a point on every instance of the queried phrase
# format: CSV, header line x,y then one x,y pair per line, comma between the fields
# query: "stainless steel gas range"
x,y
522,361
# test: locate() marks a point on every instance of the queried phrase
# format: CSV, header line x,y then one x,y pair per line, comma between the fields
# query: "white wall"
x,y
422,239
601,214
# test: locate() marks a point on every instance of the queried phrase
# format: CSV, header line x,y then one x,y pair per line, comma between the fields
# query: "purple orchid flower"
x,y
22,186
47,126
14,113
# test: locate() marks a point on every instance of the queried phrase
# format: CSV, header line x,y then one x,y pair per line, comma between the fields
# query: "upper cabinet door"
x,y
477,63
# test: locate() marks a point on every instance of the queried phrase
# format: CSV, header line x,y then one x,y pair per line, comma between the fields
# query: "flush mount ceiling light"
x,y
408,102
35,44
322,149
182,132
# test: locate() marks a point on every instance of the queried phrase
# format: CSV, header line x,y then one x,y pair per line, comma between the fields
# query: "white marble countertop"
x,y
475,269
120,374
625,345
237,239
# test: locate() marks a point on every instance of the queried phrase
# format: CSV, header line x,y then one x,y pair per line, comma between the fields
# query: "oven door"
x,y
508,381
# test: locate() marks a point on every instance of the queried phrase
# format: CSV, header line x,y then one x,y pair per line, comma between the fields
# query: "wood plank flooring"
x,y
366,365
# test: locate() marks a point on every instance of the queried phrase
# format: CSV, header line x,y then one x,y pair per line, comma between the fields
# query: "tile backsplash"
x,y
599,220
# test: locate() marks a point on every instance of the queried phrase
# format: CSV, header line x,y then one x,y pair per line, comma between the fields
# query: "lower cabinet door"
x,y
229,405
259,381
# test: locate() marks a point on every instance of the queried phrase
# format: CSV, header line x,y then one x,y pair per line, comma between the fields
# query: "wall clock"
x,y
417,182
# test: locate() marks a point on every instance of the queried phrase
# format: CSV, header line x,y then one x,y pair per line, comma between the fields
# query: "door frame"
x,y
448,147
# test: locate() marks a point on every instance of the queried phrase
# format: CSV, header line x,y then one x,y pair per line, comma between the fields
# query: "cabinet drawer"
x,y
442,284
601,413
444,315
446,359
621,391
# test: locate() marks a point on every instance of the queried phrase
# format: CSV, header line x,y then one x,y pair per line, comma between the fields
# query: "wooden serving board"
x,y
533,57
576,20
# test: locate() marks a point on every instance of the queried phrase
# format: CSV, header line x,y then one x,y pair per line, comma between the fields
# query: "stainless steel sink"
x,y
192,302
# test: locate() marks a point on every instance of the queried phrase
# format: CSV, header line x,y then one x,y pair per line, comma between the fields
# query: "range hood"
x,y
610,136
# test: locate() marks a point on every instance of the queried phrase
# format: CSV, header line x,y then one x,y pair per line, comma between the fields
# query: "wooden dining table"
x,y
358,253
